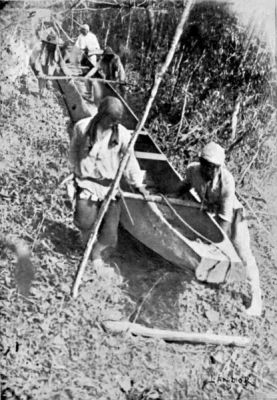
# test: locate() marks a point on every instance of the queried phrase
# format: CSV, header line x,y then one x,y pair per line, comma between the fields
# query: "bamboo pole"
x,y
175,336
123,163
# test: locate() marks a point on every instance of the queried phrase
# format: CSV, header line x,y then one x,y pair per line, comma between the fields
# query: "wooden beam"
x,y
81,78
150,156
175,336
159,199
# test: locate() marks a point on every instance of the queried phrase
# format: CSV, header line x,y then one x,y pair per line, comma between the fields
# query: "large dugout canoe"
x,y
155,224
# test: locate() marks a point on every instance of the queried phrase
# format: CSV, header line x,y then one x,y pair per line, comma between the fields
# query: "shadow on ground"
x,y
148,274
65,240
149,278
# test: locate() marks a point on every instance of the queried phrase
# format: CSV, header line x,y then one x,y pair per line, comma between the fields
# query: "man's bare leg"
x,y
241,241
98,248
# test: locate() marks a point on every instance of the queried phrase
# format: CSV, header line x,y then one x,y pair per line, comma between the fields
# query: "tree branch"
x,y
176,336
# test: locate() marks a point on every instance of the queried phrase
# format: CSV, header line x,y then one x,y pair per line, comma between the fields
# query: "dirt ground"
x,y
54,347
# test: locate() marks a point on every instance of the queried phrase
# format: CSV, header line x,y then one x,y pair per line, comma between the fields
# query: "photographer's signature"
x,y
245,381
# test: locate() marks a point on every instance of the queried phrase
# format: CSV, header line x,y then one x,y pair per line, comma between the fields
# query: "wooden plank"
x,y
176,336
150,156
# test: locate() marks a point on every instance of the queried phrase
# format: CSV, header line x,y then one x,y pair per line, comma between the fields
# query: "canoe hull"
x,y
213,263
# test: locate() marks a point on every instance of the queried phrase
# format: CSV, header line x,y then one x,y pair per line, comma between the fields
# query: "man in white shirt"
x,y
88,42
96,149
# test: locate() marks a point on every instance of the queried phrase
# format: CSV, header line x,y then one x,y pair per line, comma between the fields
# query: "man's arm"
x,y
80,42
225,213
224,225
184,186
132,173
79,143
120,73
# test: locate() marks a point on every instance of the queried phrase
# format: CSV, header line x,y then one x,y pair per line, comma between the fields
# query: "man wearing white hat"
x,y
88,42
215,186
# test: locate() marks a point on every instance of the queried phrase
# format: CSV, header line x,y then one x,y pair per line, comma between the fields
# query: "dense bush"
x,y
220,72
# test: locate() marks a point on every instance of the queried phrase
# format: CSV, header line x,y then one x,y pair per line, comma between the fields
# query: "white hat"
x,y
213,153
84,27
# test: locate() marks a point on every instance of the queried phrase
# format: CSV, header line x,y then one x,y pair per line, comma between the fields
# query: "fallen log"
x,y
175,336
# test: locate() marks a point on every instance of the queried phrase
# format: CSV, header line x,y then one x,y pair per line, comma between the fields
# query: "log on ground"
x,y
175,336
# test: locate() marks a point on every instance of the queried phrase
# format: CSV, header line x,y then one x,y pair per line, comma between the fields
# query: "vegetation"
x,y
54,347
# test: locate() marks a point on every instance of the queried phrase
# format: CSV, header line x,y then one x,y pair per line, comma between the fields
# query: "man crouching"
x,y
96,149
215,187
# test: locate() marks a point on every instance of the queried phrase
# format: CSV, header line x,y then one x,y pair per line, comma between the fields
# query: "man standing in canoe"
x,y
97,146
88,42
110,65
215,186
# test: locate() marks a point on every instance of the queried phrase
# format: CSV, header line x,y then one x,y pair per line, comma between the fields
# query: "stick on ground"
x,y
176,336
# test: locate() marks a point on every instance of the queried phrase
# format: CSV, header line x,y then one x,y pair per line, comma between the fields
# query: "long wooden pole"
x,y
175,336
83,78
123,163
159,199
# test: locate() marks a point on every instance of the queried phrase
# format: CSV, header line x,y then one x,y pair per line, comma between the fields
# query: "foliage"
x,y
218,66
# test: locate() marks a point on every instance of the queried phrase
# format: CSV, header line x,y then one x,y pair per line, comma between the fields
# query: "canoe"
x,y
183,234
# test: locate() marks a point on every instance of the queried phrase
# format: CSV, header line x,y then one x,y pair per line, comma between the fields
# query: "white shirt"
x,y
89,42
102,161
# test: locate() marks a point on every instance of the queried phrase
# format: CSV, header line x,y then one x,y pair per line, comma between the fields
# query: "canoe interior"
x,y
194,218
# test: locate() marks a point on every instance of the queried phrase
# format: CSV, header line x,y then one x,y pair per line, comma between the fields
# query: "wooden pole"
x,y
123,163
175,336
159,199
83,78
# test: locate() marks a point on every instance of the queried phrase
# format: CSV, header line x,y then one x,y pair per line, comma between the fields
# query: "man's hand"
x,y
71,190
224,225
143,191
